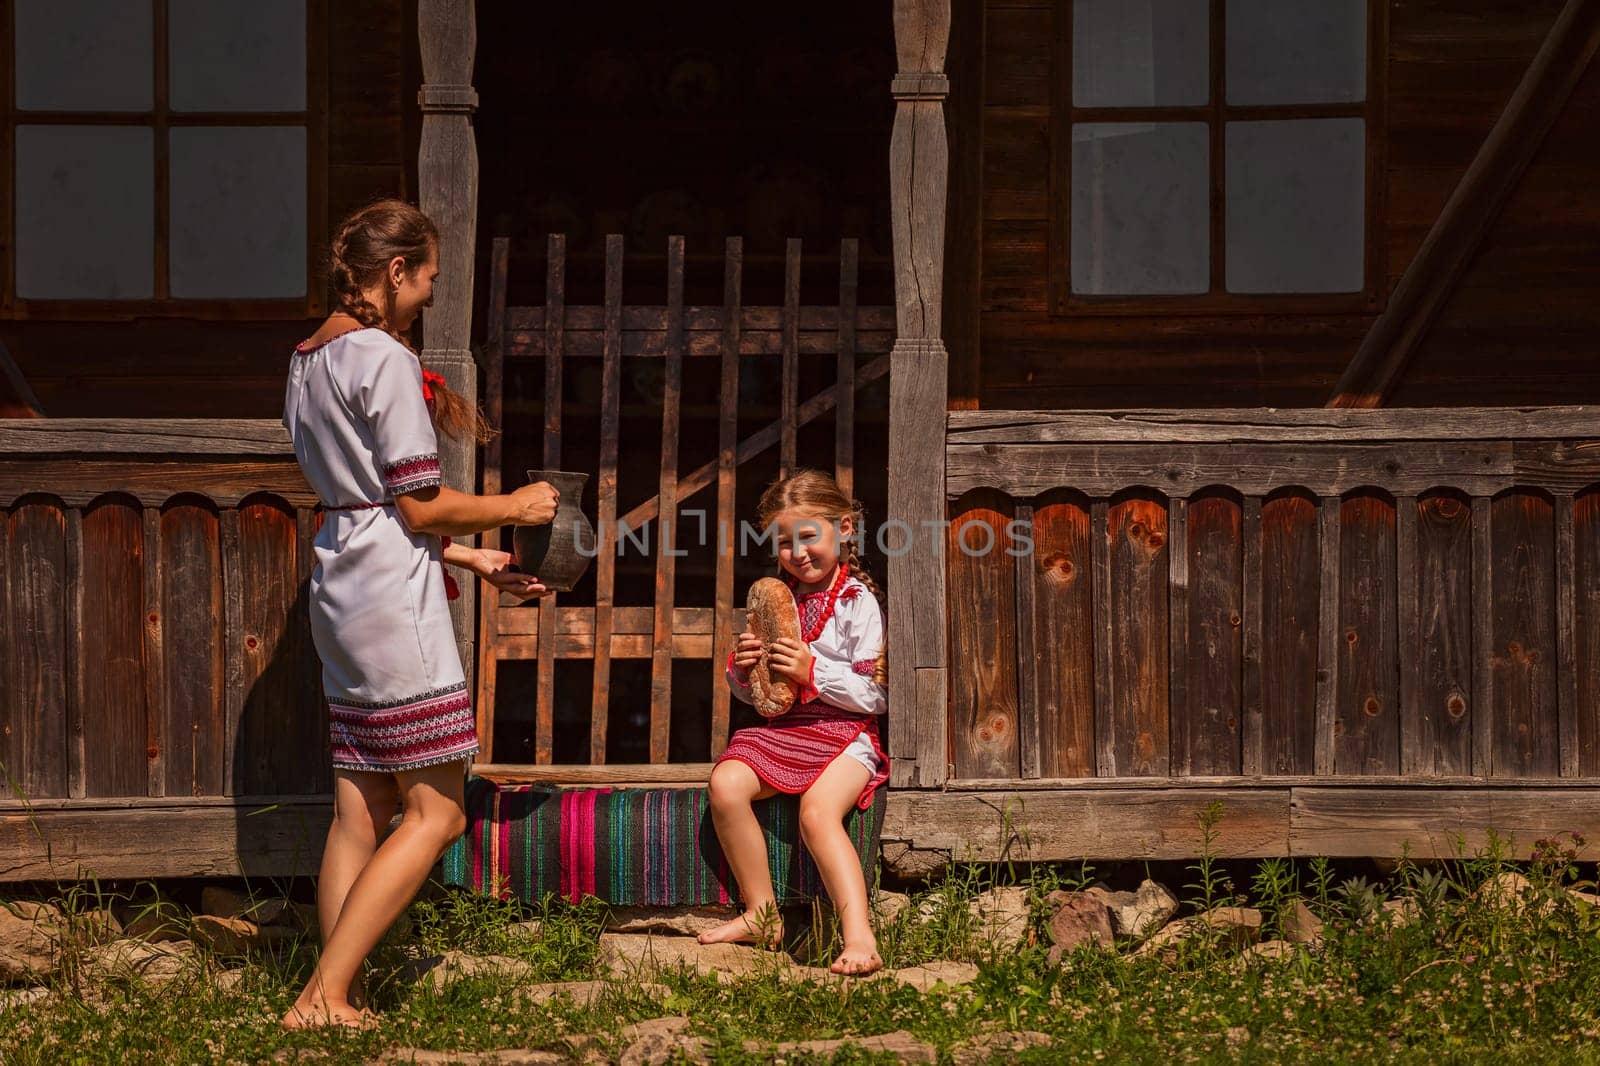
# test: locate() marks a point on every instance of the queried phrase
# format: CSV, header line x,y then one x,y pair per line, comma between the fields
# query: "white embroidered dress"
x,y
397,696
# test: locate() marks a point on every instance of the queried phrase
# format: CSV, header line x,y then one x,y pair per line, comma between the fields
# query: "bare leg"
x,y
734,786
363,804
434,816
822,812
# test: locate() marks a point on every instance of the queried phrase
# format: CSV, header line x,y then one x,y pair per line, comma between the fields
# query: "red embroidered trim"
x,y
865,668
827,610
301,349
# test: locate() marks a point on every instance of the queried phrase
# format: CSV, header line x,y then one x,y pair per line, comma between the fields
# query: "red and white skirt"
x,y
436,727
790,752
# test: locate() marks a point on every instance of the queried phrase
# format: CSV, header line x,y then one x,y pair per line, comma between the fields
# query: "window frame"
x,y
160,119
1216,113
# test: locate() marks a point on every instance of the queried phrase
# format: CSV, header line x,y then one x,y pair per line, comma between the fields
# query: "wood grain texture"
x,y
114,693
491,480
606,526
667,493
1586,623
1136,533
1523,653
984,697
1367,716
192,631
1214,642
1060,568
33,653
1438,647
1290,598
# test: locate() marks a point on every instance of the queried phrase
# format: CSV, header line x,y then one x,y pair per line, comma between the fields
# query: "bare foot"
x,y
749,928
857,961
317,1016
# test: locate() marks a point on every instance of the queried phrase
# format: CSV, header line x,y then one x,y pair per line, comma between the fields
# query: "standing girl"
x,y
362,411
827,747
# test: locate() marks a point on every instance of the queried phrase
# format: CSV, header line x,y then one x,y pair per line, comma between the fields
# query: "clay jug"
x,y
559,553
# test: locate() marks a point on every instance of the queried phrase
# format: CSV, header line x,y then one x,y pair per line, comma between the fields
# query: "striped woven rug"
x,y
630,846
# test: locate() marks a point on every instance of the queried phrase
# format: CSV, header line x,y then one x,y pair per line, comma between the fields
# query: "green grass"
x,y
1464,982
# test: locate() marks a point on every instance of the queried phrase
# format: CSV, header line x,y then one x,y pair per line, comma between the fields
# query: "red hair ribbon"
x,y
429,380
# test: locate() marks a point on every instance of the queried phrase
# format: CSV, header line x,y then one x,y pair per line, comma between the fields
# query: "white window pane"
x,y
1296,196
84,55
1300,52
238,212
85,212
1139,53
229,55
1140,208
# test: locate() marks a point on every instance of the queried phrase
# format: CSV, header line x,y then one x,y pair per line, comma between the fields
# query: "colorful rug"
x,y
630,846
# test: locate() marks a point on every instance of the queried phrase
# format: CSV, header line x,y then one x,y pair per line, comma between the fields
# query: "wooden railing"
x,y
1297,593
693,358
153,631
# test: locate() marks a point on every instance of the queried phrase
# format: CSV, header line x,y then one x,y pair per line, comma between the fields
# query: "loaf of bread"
x,y
771,615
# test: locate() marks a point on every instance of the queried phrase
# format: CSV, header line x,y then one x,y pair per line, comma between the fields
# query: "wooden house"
x,y
1222,365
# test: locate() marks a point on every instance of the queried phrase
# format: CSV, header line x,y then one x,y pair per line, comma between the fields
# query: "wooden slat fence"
x,y
153,631
569,340
1276,593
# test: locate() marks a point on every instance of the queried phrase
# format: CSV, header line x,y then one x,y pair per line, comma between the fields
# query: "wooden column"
x,y
447,184
914,539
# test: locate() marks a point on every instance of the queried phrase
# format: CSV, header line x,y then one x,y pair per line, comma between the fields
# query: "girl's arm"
x,y
445,512
494,567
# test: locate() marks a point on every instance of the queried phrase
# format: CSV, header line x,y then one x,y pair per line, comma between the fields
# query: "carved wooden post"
x,y
914,540
447,184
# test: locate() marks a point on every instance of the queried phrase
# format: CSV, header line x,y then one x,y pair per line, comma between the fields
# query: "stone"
x,y
97,926
679,921
220,902
902,1045
1233,928
888,906
499,1057
156,921
658,1041
30,936
1076,919
14,998
235,937
529,930
929,976
1508,890
1301,925
580,993
228,980
153,964
441,970
1003,916
1588,899
1139,913
627,955
1268,951
996,1047
1400,912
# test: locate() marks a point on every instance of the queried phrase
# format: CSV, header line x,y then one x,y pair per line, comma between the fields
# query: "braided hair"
x,y
819,494
363,246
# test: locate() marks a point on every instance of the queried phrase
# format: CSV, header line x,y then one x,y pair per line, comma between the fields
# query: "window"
x,y
164,157
1216,155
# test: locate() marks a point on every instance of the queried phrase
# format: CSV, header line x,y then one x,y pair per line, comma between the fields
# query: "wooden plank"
x,y
687,774
1267,425
1259,469
625,621
114,692
1473,207
623,646
555,347
194,703
310,721
1431,821
154,664
1585,575
1483,652
1181,742
606,488
1212,540
844,422
1029,703
1522,573
1409,578
1436,648
77,651
1140,738
1291,692
233,682
1100,606
1064,635
146,437
152,483
1367,718
34,667
1097,824
1252,704
1328,621
726,625
667,493
1566,594
494,357
791,355
965,223
275,736
984,693
274,836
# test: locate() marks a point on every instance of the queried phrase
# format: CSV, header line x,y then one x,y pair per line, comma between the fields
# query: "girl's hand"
x,y
495,568
534,505
746,653
790,658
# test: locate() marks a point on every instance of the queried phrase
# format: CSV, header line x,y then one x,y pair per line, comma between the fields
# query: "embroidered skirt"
x,y
790,752
436,727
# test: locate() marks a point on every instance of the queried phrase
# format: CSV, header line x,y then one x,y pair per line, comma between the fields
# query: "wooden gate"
x,y
851,341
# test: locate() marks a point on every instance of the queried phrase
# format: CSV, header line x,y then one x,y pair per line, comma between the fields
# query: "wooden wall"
x,y
225,367
1517,331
